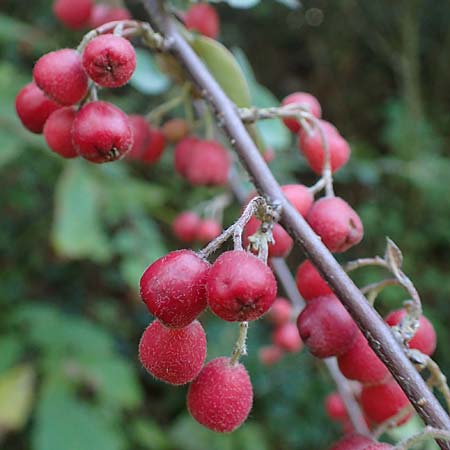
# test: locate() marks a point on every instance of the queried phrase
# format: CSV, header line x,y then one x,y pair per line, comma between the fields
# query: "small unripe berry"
x,y
61,76
270,354
141,136
309,282
425,336
175,129
185,226
173,288
74,15
300,197
326,327
302,99
361,363
286,337
101,132
58,132
182,154
280,312
208,230
335,407
338,225
109,60
103,13
155,147
352,442
221,397
202,18
34,108
173,355
240,287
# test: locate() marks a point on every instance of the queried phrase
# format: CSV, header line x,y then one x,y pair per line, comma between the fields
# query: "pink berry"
x,y
173,288
185,226
58,132
379,446
270,355
182,154
156,146
221,397
202,18
141,136
326,327
302,99
335,407
300,197
74,15
208,230
109,60
336,223
280,312
34,108
173,355
352,442
268,155
103,13
61,76
286,337
240,287
101,132
361,363
425,337
309,282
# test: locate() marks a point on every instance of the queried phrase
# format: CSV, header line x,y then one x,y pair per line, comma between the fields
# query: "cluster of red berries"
x,y
188,227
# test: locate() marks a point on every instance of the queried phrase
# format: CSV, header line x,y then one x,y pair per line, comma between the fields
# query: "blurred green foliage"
x,y
76,237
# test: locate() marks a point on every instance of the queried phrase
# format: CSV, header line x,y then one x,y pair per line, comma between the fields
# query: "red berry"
x,y
268,155
101,132
141,136
361,363
175,129
202,18
311,145
155,148
425,337
173,288
286,337
382,401
182,154
326,327
240,287
309,282
280,312
109,60
221,397
185,226
335,407
58,132
302,99
379,446
34,108
208,230
102,13
173,355
61,76
300,197
336,223
352,442
74,15
270,355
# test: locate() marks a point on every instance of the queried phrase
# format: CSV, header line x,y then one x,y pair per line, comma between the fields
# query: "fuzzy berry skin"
x,y
287,338
175,129
326,327
109,60
352,442
141,136
173,355
173,288
270,355
182,154
101,132
310,284
58,132
155,148
208,230
34,108
221,397
280,312
360,363
382,401
185,226
300,197
302,99
202,18
102,13
338,225
74,15
425,337
61,76
335,407
240,287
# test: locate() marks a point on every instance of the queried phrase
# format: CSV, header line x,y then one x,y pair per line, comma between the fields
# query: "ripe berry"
x,y
300,197
336,223
309,282
326,327
175,129
286,337
185,226
182,154
61,76
173,355
141,136
103,13
425,337
302,99
202,18
270,354
101,132
361,363
208,230
280,312
74,15
311,145
34,108
335,407
221,397
240,287
173,288
109,60
155,147
382,401
352,442
58,132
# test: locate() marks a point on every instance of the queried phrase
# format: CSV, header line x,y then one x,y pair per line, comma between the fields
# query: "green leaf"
x,y
10,349
150,435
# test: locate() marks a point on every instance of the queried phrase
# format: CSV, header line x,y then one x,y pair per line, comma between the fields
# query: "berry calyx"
x,y
240,287
287,338
270,354
202,18
280,312
73,15
58,132
335,407
208,230
352,442
155,148
185,226
300,197
173,355
221,397
301,99
101,132
173,288
310,284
